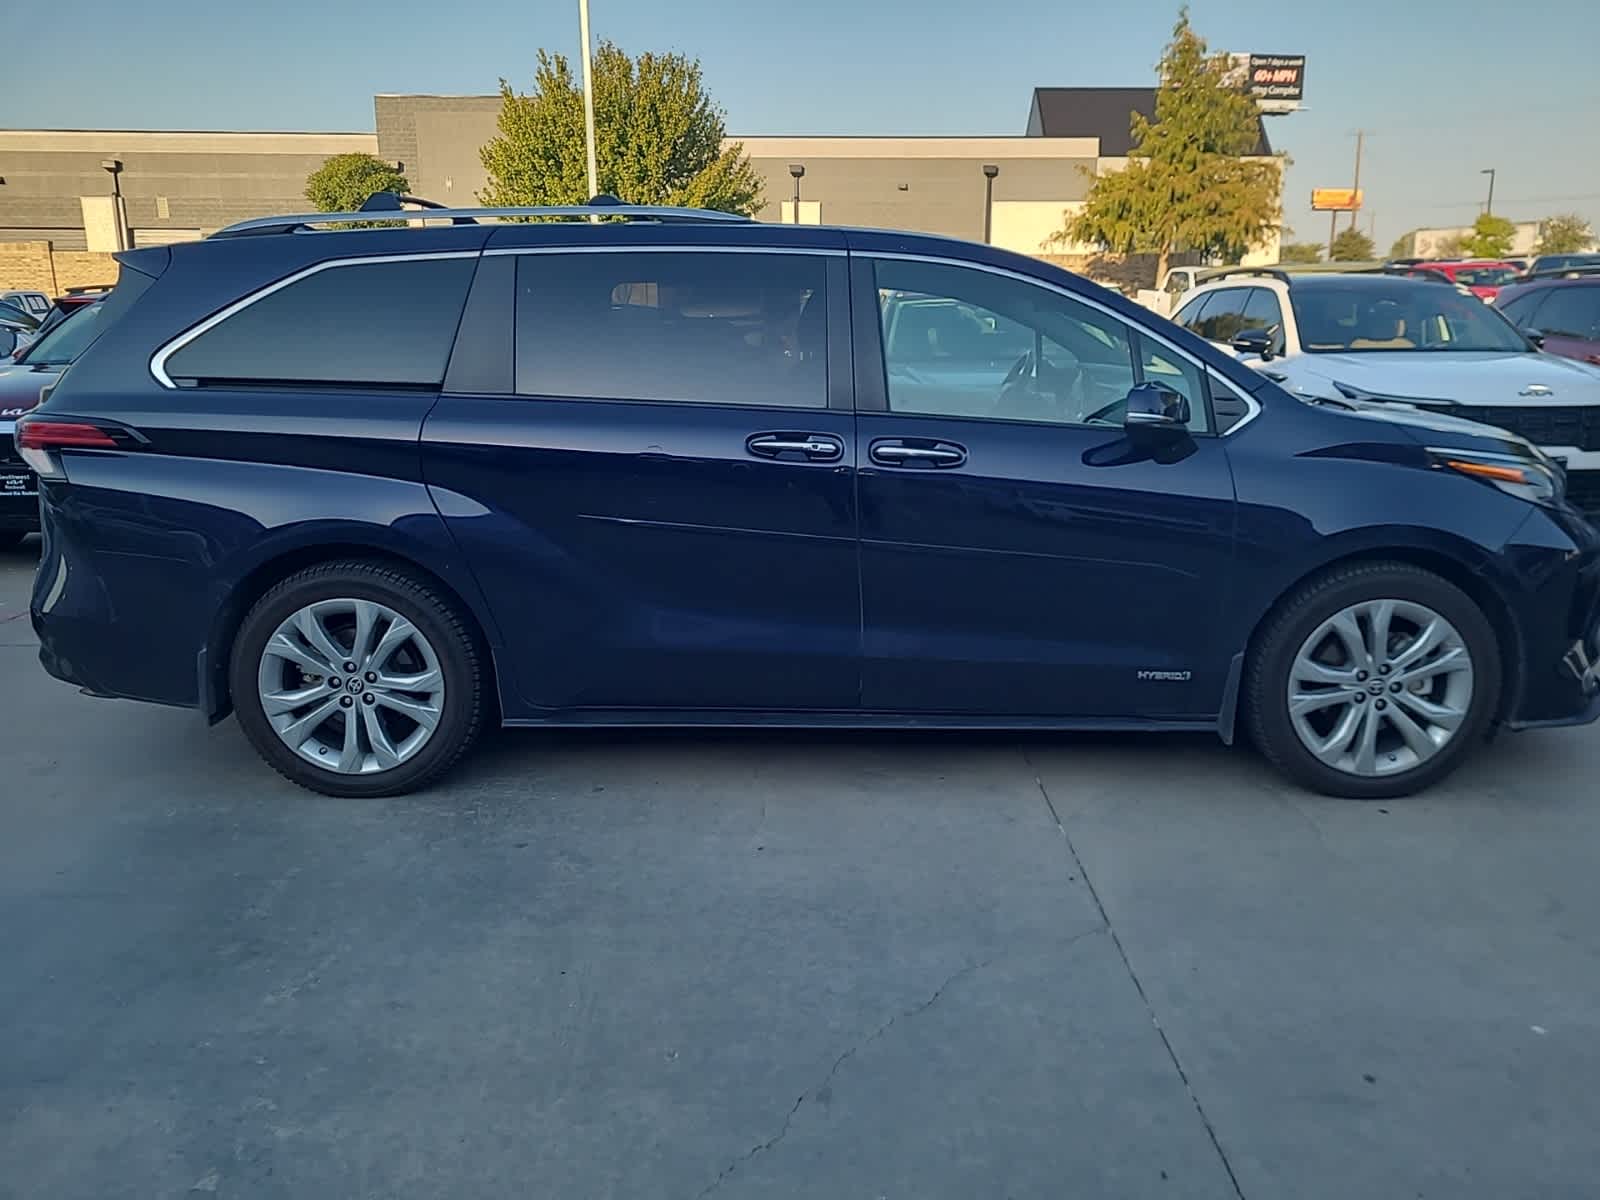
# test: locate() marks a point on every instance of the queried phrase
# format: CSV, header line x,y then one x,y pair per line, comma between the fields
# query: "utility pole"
x,y
1361,136
1488,208
588,99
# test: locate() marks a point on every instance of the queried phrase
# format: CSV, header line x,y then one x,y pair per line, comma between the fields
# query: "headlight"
x,y
1541,482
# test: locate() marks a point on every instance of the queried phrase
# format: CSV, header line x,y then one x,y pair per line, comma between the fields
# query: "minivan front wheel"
x,y
357,679
1373,681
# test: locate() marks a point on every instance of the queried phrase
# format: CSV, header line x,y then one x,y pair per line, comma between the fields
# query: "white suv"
x,y
1372,338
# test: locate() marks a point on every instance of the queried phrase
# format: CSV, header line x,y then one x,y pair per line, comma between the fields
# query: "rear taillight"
x,y
39,440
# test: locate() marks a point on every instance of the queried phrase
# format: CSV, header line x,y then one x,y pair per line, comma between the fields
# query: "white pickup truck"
x,y
1174,286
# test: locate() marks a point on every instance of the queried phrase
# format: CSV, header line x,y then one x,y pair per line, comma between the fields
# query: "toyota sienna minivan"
x,y
373,489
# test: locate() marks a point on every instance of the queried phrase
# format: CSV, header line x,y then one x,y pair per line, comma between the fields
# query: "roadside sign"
x,y
1338,199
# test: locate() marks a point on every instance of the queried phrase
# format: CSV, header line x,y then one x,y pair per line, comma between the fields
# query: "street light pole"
x,y
588,99
1488,208
797,170
990,170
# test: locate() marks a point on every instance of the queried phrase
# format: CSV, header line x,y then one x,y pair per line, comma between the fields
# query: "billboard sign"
x,y
1340,199
1277,81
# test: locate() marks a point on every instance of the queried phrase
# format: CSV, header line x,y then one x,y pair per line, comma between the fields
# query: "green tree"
x,y
658,138
344,181
1300,252
1404,246
1491,237
1188,184
1351,245
1565,233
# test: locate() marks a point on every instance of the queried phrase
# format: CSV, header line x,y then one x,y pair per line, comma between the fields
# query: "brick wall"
x,y
38,267
27,266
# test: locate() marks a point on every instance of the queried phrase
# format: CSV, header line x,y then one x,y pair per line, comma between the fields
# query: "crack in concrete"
x,y
1127,965
788,1120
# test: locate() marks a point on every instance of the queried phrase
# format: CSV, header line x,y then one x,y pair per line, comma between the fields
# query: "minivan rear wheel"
x,y
1374,680
357,679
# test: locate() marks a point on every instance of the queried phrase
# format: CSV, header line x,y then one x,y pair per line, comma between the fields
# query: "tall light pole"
x,y
990,170
1488,208
797,170
588,99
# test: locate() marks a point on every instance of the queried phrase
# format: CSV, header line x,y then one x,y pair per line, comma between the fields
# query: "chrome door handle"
x,y
938,454
814,447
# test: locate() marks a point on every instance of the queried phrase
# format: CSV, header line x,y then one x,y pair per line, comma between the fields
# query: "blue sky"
x,y
1443,92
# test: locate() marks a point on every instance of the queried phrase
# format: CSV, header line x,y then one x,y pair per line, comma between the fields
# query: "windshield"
x,y
1341,320
1485,276
66,341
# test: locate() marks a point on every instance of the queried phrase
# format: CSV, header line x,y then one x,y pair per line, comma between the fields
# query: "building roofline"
x,y
202,132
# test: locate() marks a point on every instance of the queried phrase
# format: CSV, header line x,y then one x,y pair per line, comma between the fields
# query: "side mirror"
x,y
1155,406
1254,341
1536,336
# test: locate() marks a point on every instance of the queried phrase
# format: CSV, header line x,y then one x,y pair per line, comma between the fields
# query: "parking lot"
x,y
788,965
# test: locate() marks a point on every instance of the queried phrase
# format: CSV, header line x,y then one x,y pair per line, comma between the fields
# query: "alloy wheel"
x,y
1380,687
351,686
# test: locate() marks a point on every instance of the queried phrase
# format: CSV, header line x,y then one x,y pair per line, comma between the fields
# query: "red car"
x,y
1484,276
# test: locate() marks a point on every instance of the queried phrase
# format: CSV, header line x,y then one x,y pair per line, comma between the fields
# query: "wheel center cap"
x,y
1375,688
355,687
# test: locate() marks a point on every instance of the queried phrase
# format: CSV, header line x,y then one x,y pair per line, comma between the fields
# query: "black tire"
x,y
10,539
437,618
1297,617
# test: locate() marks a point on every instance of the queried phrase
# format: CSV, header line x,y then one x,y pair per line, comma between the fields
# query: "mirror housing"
x,y
1255,341
1536,336
1155,407
8,341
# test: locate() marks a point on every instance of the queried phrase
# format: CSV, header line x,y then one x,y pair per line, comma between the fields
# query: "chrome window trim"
x,y
675,248
1251,402
158,360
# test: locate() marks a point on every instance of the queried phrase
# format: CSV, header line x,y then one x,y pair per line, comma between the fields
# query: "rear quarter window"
x,y
354,323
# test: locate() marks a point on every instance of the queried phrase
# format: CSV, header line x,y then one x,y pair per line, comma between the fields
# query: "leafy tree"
x,y
1351,245
345,181
1565,233
1187,185
1404,246
1300,252
658,138
1491,237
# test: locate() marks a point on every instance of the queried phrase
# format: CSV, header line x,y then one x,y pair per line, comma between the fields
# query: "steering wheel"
x,y
1019,369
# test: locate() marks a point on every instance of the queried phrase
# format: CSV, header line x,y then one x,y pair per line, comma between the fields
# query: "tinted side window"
x,y
1521,310
1572,312
703,328
1223,316
1262,311
377,323
1189,315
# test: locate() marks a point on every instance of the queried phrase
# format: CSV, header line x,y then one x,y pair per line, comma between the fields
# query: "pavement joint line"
x,y
1138,986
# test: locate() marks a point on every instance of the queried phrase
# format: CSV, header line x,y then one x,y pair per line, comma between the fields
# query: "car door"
x,y
1019,554
1570,321
646,451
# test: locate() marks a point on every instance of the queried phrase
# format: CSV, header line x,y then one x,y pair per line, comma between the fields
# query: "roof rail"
x,y
1563,272
299,222
1273,272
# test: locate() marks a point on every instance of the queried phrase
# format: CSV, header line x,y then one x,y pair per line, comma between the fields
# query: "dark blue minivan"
x,y
373,488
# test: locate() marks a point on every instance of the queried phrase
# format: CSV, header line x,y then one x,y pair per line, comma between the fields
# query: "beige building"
x,y
65,191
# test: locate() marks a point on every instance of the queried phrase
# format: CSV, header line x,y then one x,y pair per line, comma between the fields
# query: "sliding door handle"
x,y
895,452
813,447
